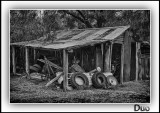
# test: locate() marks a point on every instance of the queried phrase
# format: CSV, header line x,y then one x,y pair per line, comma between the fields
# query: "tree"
x,y
24,25
32,24
138,19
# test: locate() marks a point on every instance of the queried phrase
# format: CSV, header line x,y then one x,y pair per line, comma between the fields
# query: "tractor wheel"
x,y
111,81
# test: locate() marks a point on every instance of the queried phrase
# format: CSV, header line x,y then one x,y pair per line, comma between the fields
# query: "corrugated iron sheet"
x,y
77,38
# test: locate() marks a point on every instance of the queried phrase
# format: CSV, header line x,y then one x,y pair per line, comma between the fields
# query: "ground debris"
x,y
23,90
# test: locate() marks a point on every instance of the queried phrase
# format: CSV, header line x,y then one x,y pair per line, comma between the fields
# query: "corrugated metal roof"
x,y
75,38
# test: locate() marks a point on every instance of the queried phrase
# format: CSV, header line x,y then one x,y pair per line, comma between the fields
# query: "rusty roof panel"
x,y
96,34
81,34
71,34
77,38
84,36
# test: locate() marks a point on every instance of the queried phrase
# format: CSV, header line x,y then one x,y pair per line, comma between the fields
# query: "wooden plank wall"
x,y
119,39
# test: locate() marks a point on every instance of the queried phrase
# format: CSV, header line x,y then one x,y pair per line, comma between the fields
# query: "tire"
x,y
79,81
99,80
33,69
111,81
37,66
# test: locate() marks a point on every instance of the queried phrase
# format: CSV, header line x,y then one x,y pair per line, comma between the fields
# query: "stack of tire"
x,y
99,80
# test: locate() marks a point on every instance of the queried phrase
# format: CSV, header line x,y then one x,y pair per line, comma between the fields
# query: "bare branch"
x,y
74,16
82,15
86,22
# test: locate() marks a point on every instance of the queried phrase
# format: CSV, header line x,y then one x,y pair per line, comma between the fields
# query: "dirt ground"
x,y
23,90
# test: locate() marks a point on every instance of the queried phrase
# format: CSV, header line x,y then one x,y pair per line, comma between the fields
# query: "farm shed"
x,y
94,47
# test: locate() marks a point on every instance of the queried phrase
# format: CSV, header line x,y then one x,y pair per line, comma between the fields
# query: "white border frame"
x,y
61,3
48,48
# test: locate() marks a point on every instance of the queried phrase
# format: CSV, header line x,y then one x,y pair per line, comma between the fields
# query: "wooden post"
x,y
137,60
34,54
82,57
110,61
99,60
27,60
122,63
47,67
102,50
13,60
107,58
65,69
127,56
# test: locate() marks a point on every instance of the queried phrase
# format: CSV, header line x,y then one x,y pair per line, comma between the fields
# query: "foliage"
x,y
32,24
24,26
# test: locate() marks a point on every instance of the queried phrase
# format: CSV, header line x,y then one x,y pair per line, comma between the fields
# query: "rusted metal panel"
x,y
96,34
71,34
108,31
77,38
81,34
116,33
62,34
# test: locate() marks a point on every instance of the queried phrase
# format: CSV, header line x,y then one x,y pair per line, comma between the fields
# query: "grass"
x,y
34,91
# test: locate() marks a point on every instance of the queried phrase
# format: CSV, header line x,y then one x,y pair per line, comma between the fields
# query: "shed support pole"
x,y
110,61
34,54
99,58
107,58
102,50
127,56
27,60
137,65
65,69
122,64
13,60
82,58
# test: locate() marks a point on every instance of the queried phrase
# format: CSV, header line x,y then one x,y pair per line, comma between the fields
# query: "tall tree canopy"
x,y
32,24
